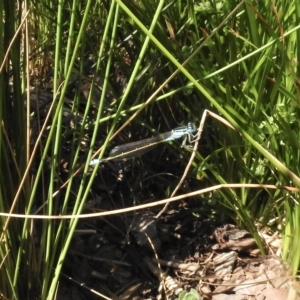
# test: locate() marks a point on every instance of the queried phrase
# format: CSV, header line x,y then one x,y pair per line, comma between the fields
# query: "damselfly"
x,y
138,148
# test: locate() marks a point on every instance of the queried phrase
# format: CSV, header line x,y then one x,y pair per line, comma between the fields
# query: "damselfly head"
x,y
191,127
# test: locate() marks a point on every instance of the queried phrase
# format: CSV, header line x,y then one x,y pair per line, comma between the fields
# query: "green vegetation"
x,y
191,295
237,59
